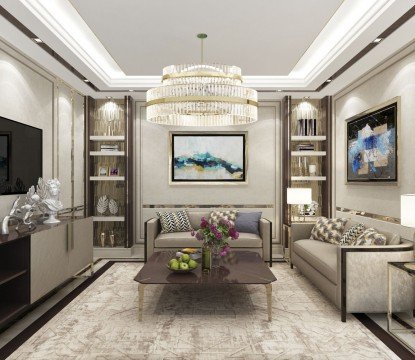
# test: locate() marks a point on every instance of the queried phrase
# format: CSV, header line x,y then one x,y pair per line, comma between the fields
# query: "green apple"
x,y
185,258
184,266
172,261
174,265
192,264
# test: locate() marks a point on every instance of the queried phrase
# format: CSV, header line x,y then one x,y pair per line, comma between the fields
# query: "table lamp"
x,y
299,196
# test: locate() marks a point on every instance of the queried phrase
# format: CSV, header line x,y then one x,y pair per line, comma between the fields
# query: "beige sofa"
x,y
354,278
155,241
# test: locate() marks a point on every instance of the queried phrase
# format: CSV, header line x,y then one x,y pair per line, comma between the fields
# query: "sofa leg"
x,y
291,265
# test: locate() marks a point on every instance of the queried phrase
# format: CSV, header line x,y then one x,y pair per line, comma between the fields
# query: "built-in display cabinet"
x,y
306,158
109,169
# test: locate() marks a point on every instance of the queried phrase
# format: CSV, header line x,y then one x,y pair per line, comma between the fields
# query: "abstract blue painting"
x,y
208,157
372,146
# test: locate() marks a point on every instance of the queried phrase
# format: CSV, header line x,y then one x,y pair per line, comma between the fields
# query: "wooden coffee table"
x,y
242,268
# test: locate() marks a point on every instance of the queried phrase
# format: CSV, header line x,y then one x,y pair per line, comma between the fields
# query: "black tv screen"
x,y
20,156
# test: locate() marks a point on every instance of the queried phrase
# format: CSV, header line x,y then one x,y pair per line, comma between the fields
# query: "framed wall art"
x,y
372,145
209,158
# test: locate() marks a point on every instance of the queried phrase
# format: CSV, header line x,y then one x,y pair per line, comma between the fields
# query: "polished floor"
x,y
201,323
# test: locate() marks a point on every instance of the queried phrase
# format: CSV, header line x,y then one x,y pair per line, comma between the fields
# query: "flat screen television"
x,y
20,156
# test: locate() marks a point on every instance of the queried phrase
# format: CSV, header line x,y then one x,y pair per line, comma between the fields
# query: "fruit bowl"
x,y
180,271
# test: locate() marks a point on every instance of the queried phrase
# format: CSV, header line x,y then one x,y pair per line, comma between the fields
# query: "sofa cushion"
x,y
196,216
185,239
248,222
320,255
349,236
328,230
176,221
218,215
370,237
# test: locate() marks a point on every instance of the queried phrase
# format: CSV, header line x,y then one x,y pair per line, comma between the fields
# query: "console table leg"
x,y
268,288
140,301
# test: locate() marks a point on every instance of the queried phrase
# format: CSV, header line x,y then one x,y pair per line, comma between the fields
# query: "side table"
x,y
401,302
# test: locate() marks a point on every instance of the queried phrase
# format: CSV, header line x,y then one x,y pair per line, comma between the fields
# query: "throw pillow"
x,y
174,221
248,222
229,215
370,237
349,237
328,230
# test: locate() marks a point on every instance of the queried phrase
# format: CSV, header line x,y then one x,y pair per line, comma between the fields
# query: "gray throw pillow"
x,y
248,222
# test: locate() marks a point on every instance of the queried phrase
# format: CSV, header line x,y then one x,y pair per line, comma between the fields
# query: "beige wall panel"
x,y
396,80
26,97
263,187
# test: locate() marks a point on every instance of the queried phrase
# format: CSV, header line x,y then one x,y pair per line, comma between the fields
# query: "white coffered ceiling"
x,y
124,44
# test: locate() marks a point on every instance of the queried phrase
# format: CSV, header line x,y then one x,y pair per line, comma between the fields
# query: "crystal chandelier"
x,y
202,95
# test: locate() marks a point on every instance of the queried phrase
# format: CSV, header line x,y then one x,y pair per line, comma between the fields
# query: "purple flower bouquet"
x,y
216,236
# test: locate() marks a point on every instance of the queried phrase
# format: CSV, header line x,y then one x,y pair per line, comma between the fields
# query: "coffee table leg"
x,y
140,301
268,288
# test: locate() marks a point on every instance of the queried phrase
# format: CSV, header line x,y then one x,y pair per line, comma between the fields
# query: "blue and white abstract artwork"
x,y
372,146
208,157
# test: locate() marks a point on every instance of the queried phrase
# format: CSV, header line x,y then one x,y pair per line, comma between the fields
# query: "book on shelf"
x,y
305,147
109,147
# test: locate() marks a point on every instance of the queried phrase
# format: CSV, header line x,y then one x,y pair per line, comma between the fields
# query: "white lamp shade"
x,y
408,210
299,196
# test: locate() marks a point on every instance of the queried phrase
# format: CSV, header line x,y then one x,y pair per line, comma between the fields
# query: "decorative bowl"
x,y
180,271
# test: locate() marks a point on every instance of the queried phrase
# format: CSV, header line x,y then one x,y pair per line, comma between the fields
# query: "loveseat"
x,y
156,241
354,278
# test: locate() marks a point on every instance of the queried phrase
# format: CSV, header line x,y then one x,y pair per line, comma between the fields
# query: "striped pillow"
x,y
177,221
350,236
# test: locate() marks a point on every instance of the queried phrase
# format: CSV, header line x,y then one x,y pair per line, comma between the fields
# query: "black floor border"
x,y
23,336
385,337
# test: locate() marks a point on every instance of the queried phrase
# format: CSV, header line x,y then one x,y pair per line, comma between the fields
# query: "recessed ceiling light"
x,y
279,90
306,97
109,97
37,40
377,40
86,80
131,90
328,80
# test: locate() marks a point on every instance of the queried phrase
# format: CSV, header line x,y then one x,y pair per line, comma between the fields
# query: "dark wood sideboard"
x,y
33,264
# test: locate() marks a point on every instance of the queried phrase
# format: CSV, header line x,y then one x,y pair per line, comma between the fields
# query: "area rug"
x,y
190,322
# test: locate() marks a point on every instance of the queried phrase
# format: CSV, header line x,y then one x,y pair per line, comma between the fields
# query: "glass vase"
x,y
206,257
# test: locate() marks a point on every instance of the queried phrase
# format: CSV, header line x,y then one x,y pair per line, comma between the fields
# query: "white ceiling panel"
x,y
264,37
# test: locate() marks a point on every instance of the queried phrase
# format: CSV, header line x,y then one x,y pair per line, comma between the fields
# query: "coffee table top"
x,y
242,267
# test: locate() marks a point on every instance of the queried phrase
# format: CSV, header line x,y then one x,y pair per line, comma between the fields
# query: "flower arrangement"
x,y
216,236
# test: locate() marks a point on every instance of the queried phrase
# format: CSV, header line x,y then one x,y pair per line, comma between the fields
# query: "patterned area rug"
x,y
185,322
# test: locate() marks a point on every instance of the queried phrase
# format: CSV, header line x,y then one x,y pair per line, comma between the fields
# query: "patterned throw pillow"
x,y
328,230
229,215
350,236
370,237
174,221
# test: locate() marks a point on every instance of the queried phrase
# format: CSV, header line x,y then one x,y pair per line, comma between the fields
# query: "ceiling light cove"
x,y
352,19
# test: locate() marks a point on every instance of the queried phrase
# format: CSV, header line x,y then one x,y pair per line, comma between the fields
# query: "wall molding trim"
x,y
204,206
366,214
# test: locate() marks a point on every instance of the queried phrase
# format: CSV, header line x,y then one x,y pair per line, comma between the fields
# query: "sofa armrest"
x,y
265,232
152,229
301,231
362,273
